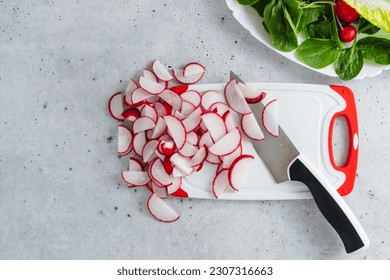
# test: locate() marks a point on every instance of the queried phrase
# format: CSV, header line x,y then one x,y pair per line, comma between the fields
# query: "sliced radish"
x,y
192,96
135,164
193,138
177,173
187,108
210,97
150,75
182,163
213,159
149,150
160,109
179,115
132,85
160,71
160,128
215,125
270,118
193,68
229,121
131,114
220,108
125,138
176,130
227,144
239,170
250,94
229,159
176,184
188,150
142,124
193,120
251,128
150,86
115,106
220,182
158,174
166,147
161,210
187,80
167,164
138,95
136,178
139,141
160,192
149,111
200,156
206,139
172,99
179,89
235,99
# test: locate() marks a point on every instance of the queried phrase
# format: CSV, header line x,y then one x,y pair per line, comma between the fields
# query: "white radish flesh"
x,y
193,138
239,170
161,210
160,71
251,128
139,95
176,184
235,99
200,156
136,178
215,125
149,111
188,150
227,144
131,114
142,124
182,163
192,96
158,174
187,80
149,150
229,159
193,120
229,121
132,85
172,99
150,86
139,141
160,192
270,118
150,75
135,164
193,68
210,97
176,130
187,108
125,139
250,94
115,106
220,108
220,182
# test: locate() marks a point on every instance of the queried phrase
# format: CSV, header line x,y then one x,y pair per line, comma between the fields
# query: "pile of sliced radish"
x,y
169,131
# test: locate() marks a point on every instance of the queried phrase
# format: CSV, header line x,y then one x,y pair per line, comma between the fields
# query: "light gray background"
x,y
61,195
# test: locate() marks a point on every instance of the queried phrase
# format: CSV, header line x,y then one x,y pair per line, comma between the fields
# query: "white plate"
x,y
251,21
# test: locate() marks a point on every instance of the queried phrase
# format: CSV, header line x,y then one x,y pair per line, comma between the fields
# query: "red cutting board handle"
x,y
350,115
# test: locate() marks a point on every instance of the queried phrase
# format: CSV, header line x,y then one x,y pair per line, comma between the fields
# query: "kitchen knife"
x,y
285,162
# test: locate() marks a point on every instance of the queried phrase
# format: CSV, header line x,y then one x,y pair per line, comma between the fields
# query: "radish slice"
x,y
149,111
270,118
182,163
158,174
250,94
251,128
220,108
205,139
150,75
149,150
192,96
176,130
166,147
115,106
188,150
215,125
179,89
192,138
150,86
160,192
235,99
213,159
177,173
229,121
138,95
142,124
210,97
229,159
193,68
227,144
167,164
187,108
193,120
160,109
220,182
139,141
172,99
135,165
125,138
238,170
200,156
160,71
160,128
179,115
132,85
136,178
176,184
161,210
187,80
131,114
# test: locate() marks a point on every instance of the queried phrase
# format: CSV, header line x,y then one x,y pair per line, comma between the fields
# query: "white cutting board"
x,y
305,113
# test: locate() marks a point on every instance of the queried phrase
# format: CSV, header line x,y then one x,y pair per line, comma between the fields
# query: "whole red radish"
x,y
345,12
348,33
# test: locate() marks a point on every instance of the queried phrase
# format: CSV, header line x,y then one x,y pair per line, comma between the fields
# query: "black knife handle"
x,y
331,204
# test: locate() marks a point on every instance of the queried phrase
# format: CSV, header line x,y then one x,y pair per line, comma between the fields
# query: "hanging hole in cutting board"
x,y
340,141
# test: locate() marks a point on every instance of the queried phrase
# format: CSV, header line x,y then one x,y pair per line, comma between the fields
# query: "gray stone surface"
x,y
61,196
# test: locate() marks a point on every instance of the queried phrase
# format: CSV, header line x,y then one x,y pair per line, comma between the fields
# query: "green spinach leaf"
x,y
349,63
318,53
366,27
320,29
259,6
375,49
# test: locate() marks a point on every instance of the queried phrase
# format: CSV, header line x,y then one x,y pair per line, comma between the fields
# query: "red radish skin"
x,y
227,144
166,147
176,130
176,185
250,94
167,164
193,68
220,182
179,89
131,114
345,12
115,106
160,210
239,170
160,71
251,128
270,118
187,80
347,33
